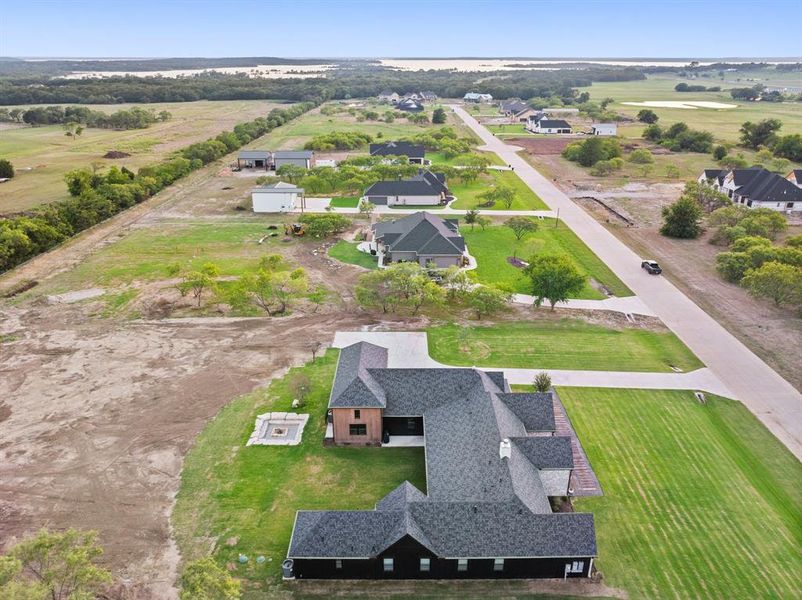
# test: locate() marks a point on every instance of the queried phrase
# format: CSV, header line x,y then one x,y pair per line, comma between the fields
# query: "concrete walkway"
x,y
408,350
770,397
630,305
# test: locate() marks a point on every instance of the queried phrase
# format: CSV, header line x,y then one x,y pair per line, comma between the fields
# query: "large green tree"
x,y
683,219
779,282
762,133
553,277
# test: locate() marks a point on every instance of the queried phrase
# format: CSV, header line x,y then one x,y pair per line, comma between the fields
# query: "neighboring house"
x,y
538,123
516,109
389,96
492,463
414,152
425,188
276,198
795,177
428,96
253,159
422,238
474,97
409,105
300,158
604,129
756,188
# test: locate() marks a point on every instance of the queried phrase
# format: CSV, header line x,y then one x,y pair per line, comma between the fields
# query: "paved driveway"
x,y
770,397
408,350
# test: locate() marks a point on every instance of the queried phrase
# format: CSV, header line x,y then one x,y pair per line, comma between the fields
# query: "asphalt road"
x,y
746,377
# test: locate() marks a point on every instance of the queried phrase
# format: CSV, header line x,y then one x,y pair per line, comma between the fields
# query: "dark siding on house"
x,y
403,425
407,553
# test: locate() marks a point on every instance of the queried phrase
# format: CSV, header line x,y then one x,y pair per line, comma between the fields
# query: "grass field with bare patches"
x,y
42,155
701,501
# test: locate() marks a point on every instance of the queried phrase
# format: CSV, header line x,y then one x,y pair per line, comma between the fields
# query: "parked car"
x,y
651,267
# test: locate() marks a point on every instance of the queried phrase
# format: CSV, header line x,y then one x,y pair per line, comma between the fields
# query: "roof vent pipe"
x,y
505,448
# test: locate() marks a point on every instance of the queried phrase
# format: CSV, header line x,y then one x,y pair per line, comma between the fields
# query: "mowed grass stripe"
x,y
700,500
559,344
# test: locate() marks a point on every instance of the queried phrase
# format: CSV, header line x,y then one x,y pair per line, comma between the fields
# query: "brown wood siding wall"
x,y
370,417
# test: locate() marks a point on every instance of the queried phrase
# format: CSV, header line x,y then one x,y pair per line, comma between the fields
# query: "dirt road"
x,y
770,397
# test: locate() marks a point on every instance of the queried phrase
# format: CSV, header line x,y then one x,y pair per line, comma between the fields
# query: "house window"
x,y
357,414
498,564
425,565
338,564
462,565
789,205
411,424
388,565
577,566
358,429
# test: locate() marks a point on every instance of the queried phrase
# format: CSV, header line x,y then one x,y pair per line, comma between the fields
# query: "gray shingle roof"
x,y
546,452
398,149
764,186
554,124
535,410
425,183
478,503
353,385
423,233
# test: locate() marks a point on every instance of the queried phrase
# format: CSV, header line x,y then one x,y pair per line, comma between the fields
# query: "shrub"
x,y
324,225
641,156
719,152
647,116
592,150
6,169
339,140
682,219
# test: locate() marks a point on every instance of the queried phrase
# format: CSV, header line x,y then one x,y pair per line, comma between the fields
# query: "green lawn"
x,y
345,202
346,252
229,490
145,254
513,129
468,194
700,501
437,158
563,344
492,246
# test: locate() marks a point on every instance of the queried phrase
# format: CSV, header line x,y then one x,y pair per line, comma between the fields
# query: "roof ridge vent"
x,y
505,448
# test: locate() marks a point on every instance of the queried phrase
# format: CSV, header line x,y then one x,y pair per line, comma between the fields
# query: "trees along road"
x,y
770,397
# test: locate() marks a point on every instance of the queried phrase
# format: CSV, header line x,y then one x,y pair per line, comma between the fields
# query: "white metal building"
x,y
276,198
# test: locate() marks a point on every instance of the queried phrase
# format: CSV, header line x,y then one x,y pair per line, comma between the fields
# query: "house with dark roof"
x,y
415,153
516,109
493,461
423,189
538,123
795,177
756,188
423,238
254,159
409,105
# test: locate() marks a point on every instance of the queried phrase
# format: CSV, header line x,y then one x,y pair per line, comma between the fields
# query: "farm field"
x,y
563,344
492,246
468,194
42,155
347,252
695,495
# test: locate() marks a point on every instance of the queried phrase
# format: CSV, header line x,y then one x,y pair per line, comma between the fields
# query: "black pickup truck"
x,y
651,267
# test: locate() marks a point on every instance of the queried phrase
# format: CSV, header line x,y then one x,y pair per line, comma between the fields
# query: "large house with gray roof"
x,y
492,463
425,188
421,237
755,188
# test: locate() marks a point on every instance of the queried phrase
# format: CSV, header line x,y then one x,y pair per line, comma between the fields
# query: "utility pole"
x,y
557,220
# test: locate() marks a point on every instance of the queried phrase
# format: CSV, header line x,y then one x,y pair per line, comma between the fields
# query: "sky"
x,y
401,28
